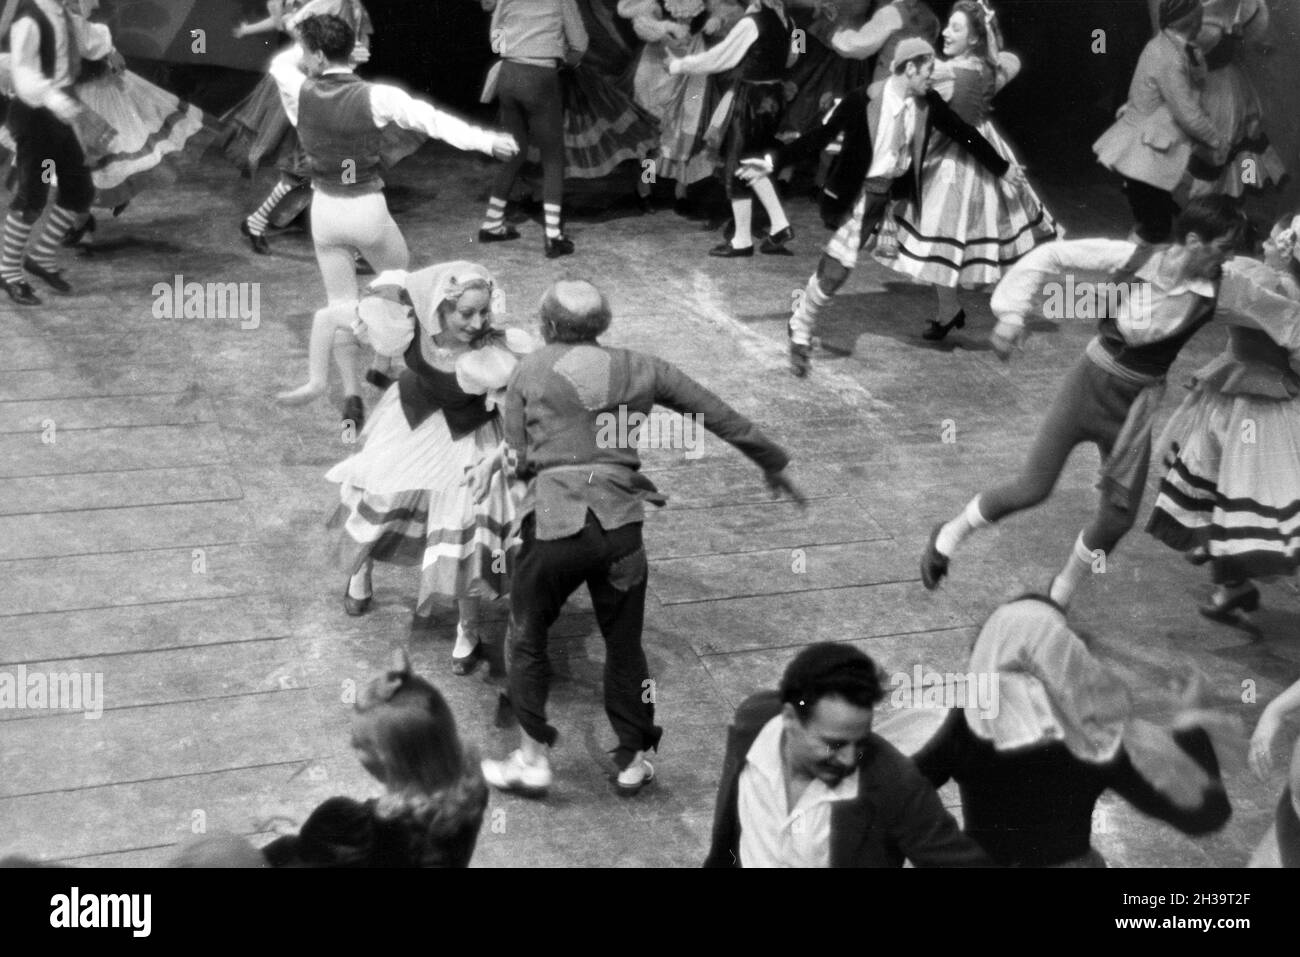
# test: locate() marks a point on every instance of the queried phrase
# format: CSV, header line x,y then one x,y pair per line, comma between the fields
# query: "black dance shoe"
x,y
21,292
934,565
561,245
258,242
356,607
77,233
936,331
379,380
774,244
354,411
1226,611
728,251
504,235
51,277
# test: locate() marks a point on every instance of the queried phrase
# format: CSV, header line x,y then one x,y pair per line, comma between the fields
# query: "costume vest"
x,y
337,129
1151,358
765,60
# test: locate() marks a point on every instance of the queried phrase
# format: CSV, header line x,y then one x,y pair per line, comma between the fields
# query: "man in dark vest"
x,y
339,117
885,141
1156,299
47,41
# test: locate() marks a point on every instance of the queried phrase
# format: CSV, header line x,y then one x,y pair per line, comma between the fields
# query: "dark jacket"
x,y
896,816
858,116
1033,807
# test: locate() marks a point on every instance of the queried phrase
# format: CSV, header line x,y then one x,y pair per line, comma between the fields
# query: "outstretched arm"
x,y
1014,295
722,57
677,391
392,105
1193,800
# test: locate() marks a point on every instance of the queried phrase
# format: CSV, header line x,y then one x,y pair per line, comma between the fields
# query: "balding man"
x,y
573,418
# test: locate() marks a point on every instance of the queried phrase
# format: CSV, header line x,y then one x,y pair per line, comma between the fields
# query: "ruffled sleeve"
x,y
387,327
487,371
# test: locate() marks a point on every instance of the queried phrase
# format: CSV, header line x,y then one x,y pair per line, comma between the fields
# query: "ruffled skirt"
x,y
403,501
1233,486
152,127
972,225
603,126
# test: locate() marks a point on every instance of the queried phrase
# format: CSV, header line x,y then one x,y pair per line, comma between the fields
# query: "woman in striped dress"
x,y
971,225
403,497
1232,493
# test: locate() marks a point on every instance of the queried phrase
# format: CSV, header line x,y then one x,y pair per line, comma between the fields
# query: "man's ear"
x,y
789,713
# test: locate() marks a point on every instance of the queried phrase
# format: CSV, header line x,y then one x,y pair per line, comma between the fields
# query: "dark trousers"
x,y
1153,210
44,145
532,111
613,566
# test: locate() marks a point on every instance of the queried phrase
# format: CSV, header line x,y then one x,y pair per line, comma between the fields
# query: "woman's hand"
x,y
301,395
479,477
504,146
1261,744
1006,339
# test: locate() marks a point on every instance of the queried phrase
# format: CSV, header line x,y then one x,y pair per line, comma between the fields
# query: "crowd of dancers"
x,y
484,465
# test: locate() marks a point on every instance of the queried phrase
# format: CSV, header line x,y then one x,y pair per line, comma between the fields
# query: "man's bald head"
x,y
574,310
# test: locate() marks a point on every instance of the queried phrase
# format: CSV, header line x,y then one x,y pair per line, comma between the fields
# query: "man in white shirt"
x,y
47,41
806,783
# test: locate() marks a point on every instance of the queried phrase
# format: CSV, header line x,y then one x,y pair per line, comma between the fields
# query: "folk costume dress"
x,y
677,102
604,126
971,225
751,60
403,497
1233,485
1233,105
150,128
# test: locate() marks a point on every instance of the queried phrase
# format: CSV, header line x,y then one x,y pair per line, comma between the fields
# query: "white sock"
x,y
954,532
743,211
1078,565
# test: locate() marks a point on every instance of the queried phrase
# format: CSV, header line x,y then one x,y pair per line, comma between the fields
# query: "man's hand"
x,y
65,108
116,62
360,54
1006,339
240,31
504,146
1015,177
755,168
780,484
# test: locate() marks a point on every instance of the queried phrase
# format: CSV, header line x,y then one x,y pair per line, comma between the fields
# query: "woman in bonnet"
x,y
403,496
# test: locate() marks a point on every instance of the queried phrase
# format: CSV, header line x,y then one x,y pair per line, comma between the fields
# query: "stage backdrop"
x,y
165,30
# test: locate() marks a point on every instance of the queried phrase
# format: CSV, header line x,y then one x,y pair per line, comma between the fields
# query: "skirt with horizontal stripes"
x,y
971,225
1233,485
603,126
403,500
152,128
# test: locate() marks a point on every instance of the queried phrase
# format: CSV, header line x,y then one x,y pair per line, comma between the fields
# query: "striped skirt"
x,y
152,126
403,501
971,225
1233,485
603,126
